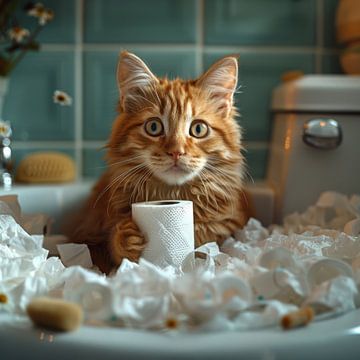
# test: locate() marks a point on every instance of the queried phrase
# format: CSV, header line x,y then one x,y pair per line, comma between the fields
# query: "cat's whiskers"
x,y
127,175
223,164
216,173
125,161
227,176
209,182
118,162
205,188
241,175
138,187
112,183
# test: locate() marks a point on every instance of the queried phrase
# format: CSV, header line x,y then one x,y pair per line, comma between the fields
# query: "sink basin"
x,y
333,338
61,200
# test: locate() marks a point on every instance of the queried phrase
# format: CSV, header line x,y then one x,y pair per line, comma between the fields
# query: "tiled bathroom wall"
x,y
175,37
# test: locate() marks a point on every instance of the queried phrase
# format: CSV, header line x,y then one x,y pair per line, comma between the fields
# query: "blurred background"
x,y
79,52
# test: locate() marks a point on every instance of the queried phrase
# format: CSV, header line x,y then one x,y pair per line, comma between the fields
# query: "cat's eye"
x,y
199,129
154,127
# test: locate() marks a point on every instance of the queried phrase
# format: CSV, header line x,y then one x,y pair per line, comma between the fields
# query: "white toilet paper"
x,y
168,226
327,269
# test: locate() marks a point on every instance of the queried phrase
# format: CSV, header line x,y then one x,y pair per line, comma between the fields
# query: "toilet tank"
x,y
315,143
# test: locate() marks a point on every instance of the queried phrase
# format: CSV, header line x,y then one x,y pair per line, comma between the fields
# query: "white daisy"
x,y
5,128
18,33
39,11
62,98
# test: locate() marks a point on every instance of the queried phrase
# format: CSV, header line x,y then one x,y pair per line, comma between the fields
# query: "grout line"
x,y
58,47
94,144
200,37
79,86
319,35
43,144
180,47
155,46
260,49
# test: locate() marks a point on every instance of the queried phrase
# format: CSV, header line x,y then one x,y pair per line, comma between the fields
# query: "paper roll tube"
x,y
326,269
274,258
168,227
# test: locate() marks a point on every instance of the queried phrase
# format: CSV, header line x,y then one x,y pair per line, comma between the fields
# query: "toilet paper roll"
x,y
168,227
327,269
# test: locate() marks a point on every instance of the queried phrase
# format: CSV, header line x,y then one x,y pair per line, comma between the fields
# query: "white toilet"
x,y
315,143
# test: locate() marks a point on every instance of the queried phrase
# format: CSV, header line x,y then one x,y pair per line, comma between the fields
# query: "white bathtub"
x,y
330,339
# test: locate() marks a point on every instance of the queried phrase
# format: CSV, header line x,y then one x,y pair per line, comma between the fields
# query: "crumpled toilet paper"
x,y
249,283
75,254
25,271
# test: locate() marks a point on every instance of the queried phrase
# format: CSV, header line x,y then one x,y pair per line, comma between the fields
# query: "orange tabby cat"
x,y
173,139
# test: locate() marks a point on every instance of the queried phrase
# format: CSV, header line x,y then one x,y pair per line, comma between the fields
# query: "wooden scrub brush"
x,y
46,167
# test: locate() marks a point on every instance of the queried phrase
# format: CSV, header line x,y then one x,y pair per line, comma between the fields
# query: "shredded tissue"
x,y
254,279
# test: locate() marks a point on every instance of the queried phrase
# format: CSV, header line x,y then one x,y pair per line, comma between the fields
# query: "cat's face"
x,y
177,130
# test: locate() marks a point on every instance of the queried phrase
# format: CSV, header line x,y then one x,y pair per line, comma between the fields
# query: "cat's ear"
x,y
133,76
220,83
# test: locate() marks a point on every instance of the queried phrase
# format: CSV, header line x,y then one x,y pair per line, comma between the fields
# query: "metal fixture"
x,y
322,133
5,155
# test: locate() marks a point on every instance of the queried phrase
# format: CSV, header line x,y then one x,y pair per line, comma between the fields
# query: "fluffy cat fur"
x,y
175,163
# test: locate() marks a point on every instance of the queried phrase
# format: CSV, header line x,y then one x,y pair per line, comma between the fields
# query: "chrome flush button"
x,y
322,133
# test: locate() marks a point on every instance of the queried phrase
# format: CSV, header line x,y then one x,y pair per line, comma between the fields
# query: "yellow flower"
x,y
18,33
39,11
62,98
3,298
171,323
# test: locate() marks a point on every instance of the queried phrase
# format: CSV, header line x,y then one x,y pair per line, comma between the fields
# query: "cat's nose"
x,y
175,154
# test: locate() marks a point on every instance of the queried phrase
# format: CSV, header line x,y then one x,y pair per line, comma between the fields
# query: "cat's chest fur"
x,y
217,211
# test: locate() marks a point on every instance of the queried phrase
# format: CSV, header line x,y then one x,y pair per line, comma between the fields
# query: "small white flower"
x,y
62,98
39,11
18,34
5,129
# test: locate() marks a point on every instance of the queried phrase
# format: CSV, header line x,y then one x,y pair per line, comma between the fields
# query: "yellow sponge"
x,y
46,167
55,314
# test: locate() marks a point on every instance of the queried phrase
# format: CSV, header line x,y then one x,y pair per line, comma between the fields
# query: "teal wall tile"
x,y
256,163
140,21
100,88
330,7
29,104
20,154
259,73
331,64
227,23
100,94
61,29
93,163
260,22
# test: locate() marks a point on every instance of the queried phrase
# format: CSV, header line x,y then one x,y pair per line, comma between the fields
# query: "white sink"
x,y
61,200
335,338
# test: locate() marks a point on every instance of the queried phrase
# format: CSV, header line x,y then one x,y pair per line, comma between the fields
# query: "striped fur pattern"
x,y
174,164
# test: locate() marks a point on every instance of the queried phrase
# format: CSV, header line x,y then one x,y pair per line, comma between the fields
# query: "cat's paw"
x,y
126,242
133,238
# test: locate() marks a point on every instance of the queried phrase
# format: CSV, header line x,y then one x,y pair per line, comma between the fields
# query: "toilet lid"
x,y
318,93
